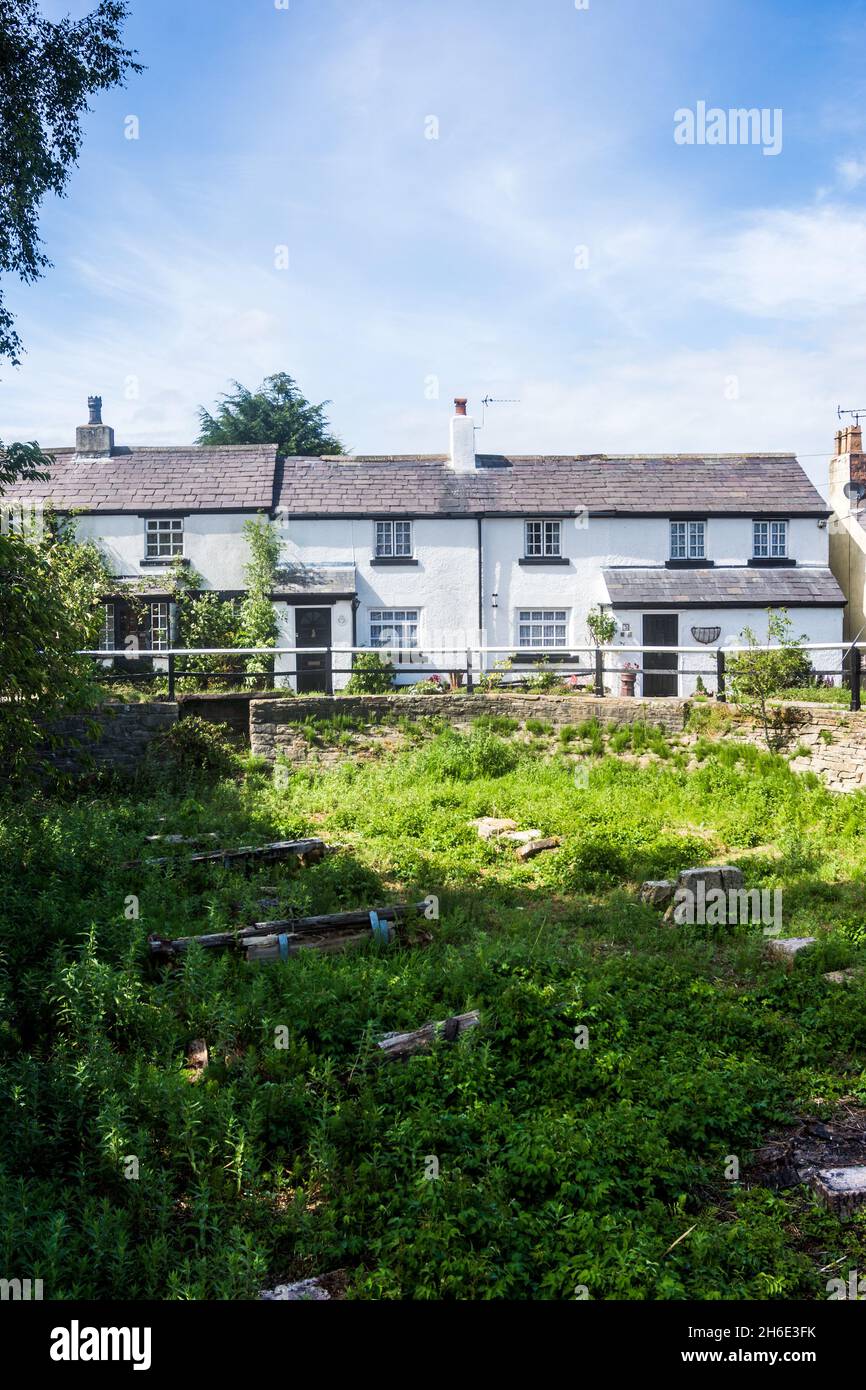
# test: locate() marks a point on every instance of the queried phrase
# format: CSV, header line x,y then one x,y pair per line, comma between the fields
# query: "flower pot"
x,y
626,682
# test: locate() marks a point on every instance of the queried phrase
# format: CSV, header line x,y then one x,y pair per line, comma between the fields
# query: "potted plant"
x,y
627,678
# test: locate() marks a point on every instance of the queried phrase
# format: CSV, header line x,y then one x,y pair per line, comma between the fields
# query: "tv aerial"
x,y
503,400
856,413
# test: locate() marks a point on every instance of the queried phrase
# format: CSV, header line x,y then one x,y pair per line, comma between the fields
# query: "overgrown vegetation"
x,y
758,676
558,1165
372,674
51,585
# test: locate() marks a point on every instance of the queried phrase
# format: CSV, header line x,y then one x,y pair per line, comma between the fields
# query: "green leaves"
x,y
277,413
48,73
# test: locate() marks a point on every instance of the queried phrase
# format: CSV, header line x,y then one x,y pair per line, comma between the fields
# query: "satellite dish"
x,y
854,491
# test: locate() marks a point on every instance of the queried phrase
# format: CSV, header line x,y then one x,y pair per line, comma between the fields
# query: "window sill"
x,y
393,560
544,560
165,561
771,562
689,564
524,657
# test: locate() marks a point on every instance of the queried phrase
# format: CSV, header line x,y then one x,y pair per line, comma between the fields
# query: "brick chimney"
x,y
462,457
94,440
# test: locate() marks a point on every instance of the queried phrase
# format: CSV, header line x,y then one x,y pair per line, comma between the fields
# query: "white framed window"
x,y
770,540
394,627
107,639
160,627
393,540
163,537
542,540
542,627
688,540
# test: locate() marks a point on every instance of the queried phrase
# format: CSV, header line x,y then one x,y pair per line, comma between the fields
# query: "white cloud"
x,y
851,172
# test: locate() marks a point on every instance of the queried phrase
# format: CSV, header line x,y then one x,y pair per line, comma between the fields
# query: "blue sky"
x,y
720,303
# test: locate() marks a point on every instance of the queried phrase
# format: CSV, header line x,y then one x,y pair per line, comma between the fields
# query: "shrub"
x,y
192,747
371,675
433,685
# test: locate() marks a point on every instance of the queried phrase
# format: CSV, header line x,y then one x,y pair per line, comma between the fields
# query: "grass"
x,y
558,1165
823,695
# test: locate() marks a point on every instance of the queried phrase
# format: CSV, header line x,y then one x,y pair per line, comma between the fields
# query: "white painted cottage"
x,y
464,549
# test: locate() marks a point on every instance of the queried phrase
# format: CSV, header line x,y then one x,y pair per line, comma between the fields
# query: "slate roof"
x,y
721,586
323,581
236,477
424,485
250,478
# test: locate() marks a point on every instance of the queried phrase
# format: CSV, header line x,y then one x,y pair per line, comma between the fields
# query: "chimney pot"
x,y
460,404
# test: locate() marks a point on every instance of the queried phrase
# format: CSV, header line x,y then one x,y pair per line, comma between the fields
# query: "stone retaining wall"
x,y
836,738
111,737
273,721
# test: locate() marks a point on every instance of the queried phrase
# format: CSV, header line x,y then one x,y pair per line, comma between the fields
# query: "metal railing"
x,y
467,666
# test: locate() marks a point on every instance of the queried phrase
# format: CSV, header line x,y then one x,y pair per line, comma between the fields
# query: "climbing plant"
x,y
258,620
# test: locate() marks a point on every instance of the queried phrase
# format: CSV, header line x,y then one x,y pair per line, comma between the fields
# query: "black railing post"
x,y
469,686
856,674
171,675
599,671
720,676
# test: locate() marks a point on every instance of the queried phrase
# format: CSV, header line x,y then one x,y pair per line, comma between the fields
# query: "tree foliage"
x,y
47,72
275,414
51,586
601,626
758,677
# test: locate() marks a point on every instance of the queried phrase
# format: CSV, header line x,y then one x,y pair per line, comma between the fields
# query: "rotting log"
x,y
395,1045
306,851
291,926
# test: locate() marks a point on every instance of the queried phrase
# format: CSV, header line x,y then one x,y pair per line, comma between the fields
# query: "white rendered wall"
x,y
816,624
213,542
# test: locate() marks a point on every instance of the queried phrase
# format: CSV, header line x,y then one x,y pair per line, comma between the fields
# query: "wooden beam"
x,y
292,926
395,1045
307,851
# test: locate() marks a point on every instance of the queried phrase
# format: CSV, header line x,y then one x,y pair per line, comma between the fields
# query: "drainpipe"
x,y
480,581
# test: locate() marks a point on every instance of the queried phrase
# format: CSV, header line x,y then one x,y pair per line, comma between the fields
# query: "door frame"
x,y
675,672
328,659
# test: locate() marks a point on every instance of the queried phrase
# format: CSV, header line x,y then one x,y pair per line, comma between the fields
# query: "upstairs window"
x,y
393,540
542,627
394,627
163,537
688,540
770,540
543,540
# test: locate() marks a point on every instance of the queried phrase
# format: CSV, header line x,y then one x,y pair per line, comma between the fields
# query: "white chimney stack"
x,y
462,438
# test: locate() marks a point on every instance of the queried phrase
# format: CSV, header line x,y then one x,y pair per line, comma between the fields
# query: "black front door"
x,y
313,629
663,629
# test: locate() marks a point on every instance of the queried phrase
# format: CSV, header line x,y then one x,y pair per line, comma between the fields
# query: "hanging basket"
x,y
706,635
